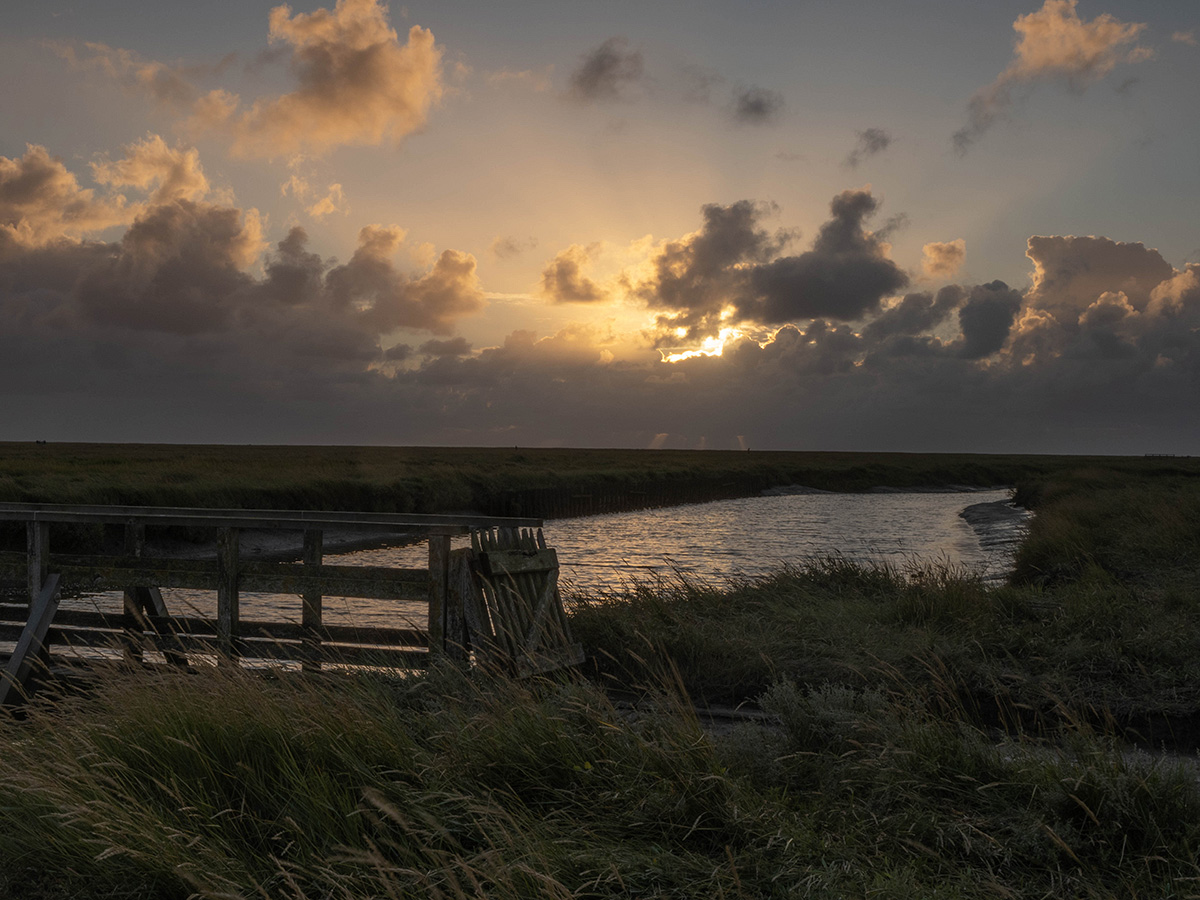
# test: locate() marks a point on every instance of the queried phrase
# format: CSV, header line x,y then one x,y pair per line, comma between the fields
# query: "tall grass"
x,y
230,784
1101,617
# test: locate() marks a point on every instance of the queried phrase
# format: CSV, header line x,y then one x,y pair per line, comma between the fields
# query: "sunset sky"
x,y
922,226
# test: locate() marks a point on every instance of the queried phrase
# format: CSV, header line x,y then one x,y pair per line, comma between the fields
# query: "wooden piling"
x,y
439,580
311,599
227,593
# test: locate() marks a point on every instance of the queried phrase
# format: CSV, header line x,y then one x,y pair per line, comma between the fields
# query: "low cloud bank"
x,y
190,326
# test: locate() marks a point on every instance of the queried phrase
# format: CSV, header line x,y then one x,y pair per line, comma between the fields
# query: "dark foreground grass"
x,y
228,784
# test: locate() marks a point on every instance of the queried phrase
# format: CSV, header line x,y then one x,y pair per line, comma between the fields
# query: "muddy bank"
x,y
999,525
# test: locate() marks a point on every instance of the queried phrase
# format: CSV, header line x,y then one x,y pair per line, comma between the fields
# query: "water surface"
x,y
715,541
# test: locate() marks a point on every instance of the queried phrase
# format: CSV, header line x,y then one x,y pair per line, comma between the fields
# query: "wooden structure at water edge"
x,y
495,603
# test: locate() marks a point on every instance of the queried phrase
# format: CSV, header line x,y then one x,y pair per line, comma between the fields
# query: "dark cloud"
x,y
757,106
696,276
986,319
869,143
398,353
563,280
454,347
845,275
172,333
731,271
178,269
916,313
607,73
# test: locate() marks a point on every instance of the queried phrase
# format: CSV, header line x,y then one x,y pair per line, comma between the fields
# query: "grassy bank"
x,y
927,736
1100,621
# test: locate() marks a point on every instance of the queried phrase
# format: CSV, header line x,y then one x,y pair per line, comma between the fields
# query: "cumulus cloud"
x,y
732,271
942,259
1054,42
454,347
1184,37
184,328
563,280
757,106
334,201
1070,272
177,296
358,85
40,201
986,319
172,173
869,143
698,275
607,73
845,274
915,313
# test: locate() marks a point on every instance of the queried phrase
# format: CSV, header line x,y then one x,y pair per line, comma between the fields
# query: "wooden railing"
x,y
146,624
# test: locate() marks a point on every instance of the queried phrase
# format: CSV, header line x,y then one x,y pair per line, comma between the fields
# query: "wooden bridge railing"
x,y
146,624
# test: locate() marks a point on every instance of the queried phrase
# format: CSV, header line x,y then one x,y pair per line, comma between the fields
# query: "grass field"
x,y
486,480
926,736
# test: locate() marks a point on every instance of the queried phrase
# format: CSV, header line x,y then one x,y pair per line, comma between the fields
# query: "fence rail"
x,y
145,624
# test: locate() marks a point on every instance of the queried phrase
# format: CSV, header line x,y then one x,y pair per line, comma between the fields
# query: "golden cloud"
x,y
358,85
1054,42
941,259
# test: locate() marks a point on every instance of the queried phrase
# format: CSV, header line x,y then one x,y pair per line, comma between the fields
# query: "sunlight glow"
x,y
710,346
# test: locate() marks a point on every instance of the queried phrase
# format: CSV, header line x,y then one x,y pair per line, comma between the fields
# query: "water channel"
x,y
714,541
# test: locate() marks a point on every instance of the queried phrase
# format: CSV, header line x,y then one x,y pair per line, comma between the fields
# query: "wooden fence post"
x,y
228,625
37,545
310,616
37,548
460,590
133,607
439,579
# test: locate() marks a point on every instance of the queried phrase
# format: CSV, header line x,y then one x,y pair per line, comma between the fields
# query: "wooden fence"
x,y
463,589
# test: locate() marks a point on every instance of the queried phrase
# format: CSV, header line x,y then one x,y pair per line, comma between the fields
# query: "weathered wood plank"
x,y
227,591
31,643
460,593
135,539
37,553
310,614
550,660
439,578
101,573
270,519
518,562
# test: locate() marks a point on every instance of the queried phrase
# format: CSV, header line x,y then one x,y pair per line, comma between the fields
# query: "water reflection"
x,y
725,539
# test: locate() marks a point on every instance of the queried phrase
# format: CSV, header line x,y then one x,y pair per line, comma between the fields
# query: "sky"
x,y
920,226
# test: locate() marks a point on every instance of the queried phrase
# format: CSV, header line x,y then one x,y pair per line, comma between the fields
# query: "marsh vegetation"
x,y
922,734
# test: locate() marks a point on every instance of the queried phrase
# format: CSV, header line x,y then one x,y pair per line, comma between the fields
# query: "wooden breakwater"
x,y
496,601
